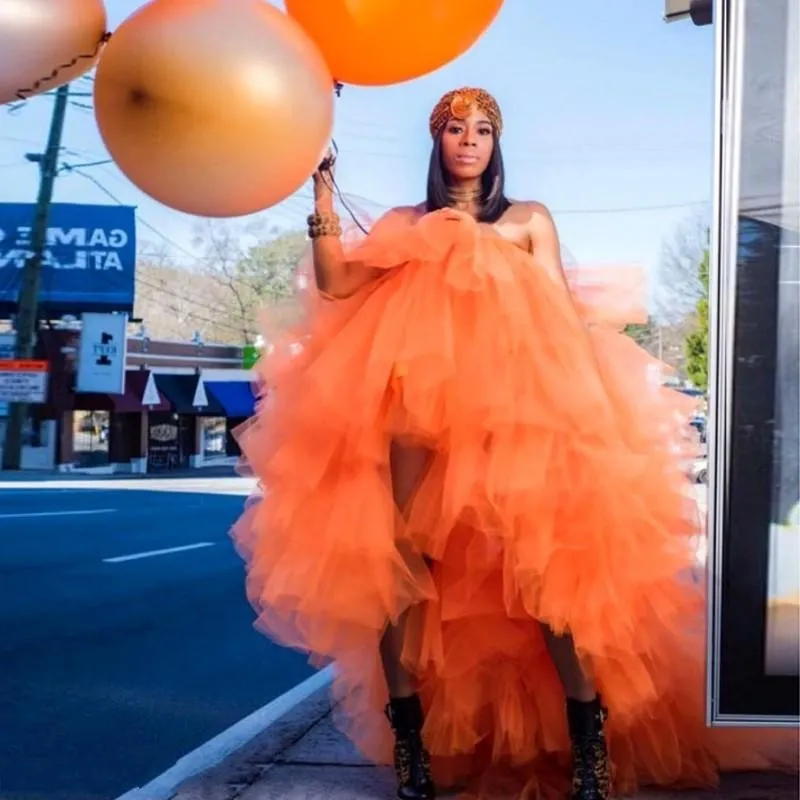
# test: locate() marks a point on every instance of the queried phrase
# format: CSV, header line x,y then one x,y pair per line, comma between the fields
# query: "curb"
x,y
237,758
69,476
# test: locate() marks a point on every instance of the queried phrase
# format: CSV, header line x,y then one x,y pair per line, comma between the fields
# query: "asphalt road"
x,y
111,668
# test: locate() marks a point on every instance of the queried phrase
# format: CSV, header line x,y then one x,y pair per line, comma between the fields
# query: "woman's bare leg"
x,y
577,684
408,465
591,771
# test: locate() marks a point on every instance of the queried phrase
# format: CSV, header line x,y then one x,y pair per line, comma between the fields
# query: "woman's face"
x,y
467,146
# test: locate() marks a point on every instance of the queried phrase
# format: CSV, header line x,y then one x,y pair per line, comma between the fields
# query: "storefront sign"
x,y
250,355
23,381
8,343
163,443
89,261
102,352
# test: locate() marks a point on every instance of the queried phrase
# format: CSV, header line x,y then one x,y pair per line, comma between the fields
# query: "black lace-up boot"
x,y
591,771
411,759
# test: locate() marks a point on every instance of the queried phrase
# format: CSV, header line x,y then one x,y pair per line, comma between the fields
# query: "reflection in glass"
x,y
214,437
90,438
782,654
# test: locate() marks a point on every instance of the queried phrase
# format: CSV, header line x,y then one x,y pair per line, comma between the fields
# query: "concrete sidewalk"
x,y
303,757
40,476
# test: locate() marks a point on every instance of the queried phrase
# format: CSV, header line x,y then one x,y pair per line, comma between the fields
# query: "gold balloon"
x,y
38,37
218,108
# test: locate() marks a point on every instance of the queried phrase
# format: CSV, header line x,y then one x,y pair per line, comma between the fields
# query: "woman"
x,y
473,508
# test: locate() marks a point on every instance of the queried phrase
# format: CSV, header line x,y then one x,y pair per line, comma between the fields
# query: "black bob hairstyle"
x,y
494,202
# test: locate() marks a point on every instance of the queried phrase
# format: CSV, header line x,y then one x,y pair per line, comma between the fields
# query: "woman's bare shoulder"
x,y
411,213
529,209
534,216
399,215
407,214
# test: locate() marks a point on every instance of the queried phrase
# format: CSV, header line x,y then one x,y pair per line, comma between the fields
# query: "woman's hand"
x,y
324,177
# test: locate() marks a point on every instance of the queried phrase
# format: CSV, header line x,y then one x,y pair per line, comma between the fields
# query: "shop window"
x,y
755,498
91,432
214,437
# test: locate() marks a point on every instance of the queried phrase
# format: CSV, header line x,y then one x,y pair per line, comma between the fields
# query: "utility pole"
x,y
27,308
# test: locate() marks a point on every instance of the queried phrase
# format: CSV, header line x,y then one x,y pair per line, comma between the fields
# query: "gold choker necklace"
x,y
464,198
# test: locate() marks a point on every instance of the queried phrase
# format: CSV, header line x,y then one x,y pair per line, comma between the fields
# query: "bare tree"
x,y
251,268
222,250
241,272
664,341
176,299
679,284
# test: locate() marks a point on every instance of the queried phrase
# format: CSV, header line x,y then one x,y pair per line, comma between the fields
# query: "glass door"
x,y
754,598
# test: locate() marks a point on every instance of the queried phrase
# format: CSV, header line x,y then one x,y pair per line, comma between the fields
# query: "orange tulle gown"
x,y
556,494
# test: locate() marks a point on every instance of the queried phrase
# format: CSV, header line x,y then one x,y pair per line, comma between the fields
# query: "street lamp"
x,y
701,12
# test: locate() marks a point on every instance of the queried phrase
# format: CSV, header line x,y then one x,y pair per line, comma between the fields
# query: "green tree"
x,y
267,275
641,334
697,342
269,267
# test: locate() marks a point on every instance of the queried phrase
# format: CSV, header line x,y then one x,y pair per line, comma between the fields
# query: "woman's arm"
x,y
338,276
334,276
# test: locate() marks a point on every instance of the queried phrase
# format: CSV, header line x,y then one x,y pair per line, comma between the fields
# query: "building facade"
x,y
181,404
754,353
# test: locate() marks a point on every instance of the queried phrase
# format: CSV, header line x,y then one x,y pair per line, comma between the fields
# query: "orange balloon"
x,y
214,107
381,42
38,37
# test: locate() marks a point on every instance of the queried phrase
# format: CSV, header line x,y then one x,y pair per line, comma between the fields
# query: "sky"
x,y
608,121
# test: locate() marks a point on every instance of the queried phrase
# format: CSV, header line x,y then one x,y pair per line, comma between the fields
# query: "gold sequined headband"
x,y
460,103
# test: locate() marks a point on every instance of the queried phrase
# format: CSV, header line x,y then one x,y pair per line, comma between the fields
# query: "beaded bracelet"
x,y
320,225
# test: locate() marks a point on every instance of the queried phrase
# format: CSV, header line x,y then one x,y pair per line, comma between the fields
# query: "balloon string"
x,y
334,187
349,210
324,170
23,94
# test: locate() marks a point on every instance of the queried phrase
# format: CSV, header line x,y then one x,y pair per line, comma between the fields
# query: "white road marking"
x,y
73,513
215,751
151,553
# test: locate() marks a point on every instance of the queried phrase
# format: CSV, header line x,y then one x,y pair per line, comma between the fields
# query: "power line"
x,y
365,153
191,312
73,167
116,199
160,288
630,209
306,196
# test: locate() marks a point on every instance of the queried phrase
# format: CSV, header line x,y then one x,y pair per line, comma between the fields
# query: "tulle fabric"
x,y
556,494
